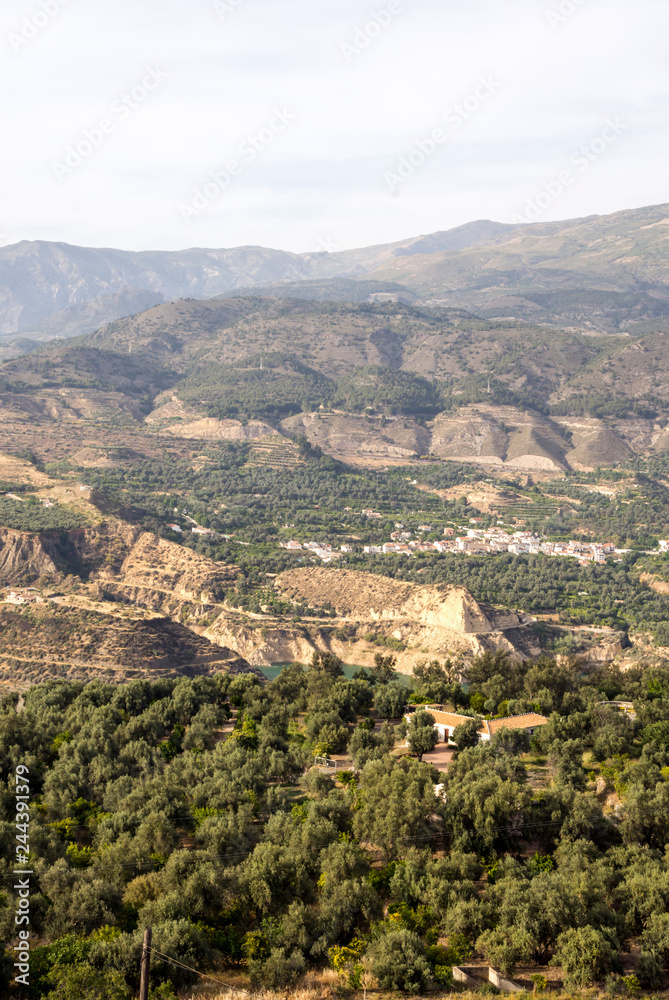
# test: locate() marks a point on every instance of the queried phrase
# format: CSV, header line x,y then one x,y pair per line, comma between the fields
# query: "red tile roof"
x,y
529,721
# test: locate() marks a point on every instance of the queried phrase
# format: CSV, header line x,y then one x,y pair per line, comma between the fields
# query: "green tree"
x,y
466,735
398,962
422,736
398,803
585,954
383,670
390,700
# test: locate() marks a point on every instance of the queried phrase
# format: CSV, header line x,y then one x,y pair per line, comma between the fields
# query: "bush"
x,y
390,699
277,971
585,954
649,969
81,982
399,962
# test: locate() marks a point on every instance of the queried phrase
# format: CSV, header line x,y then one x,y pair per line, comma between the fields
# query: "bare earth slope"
x,y
58,640
445,619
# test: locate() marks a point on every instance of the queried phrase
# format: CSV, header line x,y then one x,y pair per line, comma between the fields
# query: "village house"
x,y
446,722
396,549
27,596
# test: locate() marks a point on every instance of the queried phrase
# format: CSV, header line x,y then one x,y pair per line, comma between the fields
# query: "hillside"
x,y
364,382
54,641
447,620
604,273
56,290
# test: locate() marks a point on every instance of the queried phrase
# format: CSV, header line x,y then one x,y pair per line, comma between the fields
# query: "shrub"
x,y
81,982
399,962
278,970
585,955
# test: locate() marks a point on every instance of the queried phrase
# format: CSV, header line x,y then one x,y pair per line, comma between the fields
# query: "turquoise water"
x,y
349,670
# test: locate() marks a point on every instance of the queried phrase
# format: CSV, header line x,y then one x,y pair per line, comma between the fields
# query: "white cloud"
x,y
325,177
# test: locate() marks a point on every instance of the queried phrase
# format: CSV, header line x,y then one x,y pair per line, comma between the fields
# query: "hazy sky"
x,y
329,123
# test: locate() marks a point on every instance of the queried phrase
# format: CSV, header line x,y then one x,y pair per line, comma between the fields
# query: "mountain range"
x,y
539,346
604,273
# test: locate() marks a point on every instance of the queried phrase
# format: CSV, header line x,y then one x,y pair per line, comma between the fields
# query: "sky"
x,y
325,124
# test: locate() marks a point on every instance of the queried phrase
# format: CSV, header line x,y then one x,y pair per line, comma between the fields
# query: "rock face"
x,y
352,437
498,436
210,429
367,597
155,572
501,436
442,619
24,557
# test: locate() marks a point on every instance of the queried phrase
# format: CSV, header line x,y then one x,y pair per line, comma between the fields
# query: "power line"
x,y
203,975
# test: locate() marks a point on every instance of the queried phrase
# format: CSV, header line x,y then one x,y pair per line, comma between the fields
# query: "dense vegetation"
x,y
272,386
379,388
237,853
30,515
602,595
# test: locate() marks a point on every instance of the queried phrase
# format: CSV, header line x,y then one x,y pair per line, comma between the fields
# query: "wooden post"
x,y
146,962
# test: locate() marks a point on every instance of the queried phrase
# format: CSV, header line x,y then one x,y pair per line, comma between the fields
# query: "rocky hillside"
x,y
364,383
57,640
446,620
114,598
385,378
607,273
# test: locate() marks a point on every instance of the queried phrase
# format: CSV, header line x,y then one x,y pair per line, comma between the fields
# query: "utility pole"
x,y
146,962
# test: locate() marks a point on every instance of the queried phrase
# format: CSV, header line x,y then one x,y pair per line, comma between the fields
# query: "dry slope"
x,y
443,619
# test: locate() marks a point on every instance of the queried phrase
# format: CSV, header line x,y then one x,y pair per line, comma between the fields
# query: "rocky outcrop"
x,y
25,557
367,597
351,436
594,444
500,436
209,429
441,619
155,566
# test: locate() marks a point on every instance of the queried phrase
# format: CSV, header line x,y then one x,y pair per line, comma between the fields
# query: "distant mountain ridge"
x,y
601,272
50,290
